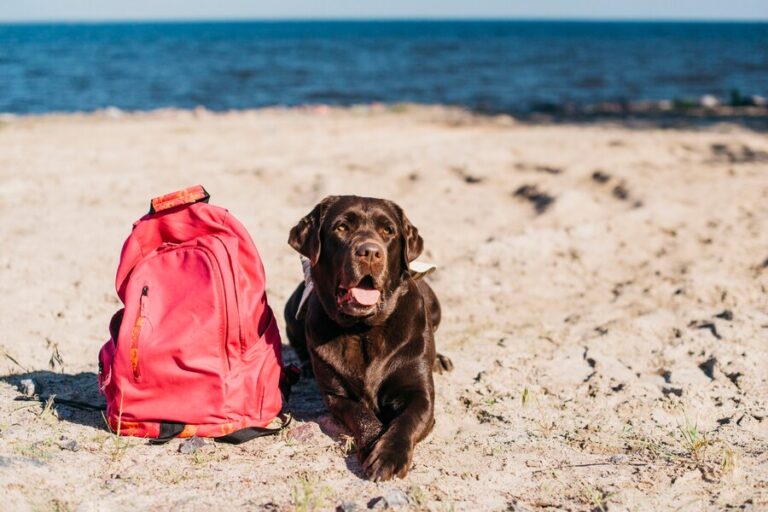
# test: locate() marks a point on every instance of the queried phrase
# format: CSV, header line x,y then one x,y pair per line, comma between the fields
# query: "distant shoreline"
x,y
643,115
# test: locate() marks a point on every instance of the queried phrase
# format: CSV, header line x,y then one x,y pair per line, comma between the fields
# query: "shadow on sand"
x,y
306,404
80,387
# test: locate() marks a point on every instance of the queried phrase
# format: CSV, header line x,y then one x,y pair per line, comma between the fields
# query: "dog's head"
x,y
359,248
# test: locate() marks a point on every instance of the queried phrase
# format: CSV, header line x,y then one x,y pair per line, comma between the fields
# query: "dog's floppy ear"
x,y
305,236
412,242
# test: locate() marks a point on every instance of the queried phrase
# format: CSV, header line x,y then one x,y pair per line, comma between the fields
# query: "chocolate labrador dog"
x,y
368,327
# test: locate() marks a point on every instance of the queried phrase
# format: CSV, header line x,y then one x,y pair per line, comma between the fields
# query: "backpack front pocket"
x,y
173,349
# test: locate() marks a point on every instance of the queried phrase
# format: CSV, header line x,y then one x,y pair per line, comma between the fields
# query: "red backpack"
x,y
195,350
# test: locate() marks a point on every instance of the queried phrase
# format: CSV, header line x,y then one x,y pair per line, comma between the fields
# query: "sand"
x,y
604,295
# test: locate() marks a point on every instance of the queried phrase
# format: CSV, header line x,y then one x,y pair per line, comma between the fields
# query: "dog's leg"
x,y
355,414
359,419
392,454
434,313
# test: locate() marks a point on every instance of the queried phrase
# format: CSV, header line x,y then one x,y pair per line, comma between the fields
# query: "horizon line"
x,y
340,19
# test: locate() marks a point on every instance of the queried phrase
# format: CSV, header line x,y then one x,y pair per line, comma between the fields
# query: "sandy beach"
x,y
603,287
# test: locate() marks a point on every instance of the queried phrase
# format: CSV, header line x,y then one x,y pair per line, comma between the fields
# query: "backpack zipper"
x,y
141,315
234,291
225,316
136,333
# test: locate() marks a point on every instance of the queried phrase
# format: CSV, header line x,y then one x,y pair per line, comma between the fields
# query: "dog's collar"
x,y
417,269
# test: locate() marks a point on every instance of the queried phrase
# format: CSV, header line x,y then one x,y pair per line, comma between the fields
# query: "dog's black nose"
x,y
369,250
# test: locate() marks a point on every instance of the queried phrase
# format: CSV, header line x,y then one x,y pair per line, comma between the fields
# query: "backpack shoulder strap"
x,y
170,430
290,376
246,434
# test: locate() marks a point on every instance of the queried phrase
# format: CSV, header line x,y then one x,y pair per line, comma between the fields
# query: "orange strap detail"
x,y
189,431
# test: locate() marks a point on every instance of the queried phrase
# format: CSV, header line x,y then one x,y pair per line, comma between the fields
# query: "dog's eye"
x,y
342,228
388,230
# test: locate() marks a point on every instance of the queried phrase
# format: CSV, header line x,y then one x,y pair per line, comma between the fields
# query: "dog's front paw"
x,y
442,364
388,459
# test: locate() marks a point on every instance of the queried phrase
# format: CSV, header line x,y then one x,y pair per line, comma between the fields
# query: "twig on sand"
x,y
23,407
48,407
13,360
608,463
56,358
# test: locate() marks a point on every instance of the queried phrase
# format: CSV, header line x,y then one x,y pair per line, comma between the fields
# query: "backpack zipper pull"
x,y
142,301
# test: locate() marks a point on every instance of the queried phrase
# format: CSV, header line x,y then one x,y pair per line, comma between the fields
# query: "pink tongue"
x,y
365,296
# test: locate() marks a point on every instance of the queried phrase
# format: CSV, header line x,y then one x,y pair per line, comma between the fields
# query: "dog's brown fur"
x,y
373,364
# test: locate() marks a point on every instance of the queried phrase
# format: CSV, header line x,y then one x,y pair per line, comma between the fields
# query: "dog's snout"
x,y
370,251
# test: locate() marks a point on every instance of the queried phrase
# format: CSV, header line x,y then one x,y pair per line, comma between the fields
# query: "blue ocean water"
x,y
493,65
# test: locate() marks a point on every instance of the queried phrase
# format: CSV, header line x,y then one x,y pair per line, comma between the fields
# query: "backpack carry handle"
x,y
189,195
